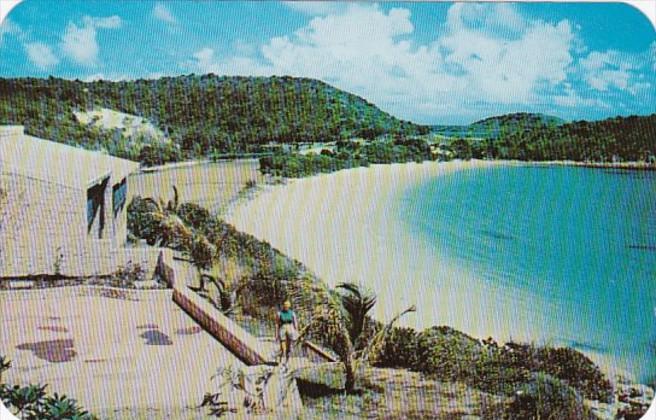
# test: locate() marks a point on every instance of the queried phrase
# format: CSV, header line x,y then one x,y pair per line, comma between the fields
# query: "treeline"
x,y
346,154
620,139
612,140
499,126
202,115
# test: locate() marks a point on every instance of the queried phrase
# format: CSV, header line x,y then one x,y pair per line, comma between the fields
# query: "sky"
x,y
433,63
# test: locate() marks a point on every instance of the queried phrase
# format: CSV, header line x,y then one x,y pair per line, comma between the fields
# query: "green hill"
x,y
630,138
201,114
499,126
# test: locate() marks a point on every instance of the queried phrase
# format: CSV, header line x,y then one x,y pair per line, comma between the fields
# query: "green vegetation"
x,y
203,115
450,354
31,402
347,154
216,117
545,397
501,126
517,136
611,140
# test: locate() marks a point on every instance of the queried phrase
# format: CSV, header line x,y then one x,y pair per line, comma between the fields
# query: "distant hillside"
x,y
621,138
495,127
201,114
614,139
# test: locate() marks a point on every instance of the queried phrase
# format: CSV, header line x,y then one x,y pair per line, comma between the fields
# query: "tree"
x,y
331,319
357,301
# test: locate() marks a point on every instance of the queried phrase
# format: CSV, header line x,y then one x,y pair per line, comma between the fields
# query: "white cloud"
x,y
206,61
484,55
495,20
316,7
161,12
613,69
110,22
8,27
79,42
41,55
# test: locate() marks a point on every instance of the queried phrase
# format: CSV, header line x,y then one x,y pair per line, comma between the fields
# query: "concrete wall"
x,y
38,222
249,349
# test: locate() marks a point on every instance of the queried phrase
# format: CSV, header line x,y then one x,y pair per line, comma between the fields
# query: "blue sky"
x,y
427,62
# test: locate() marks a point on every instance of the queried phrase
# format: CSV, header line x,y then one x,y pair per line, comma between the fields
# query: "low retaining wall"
x,y
230,334
249,349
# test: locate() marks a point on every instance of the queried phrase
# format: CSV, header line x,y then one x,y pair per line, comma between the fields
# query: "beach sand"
x,y
213,185
345,227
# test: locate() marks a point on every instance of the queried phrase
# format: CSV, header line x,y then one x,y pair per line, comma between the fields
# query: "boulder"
x,y
260,389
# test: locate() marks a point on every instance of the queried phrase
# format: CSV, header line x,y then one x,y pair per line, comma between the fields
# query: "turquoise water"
x,y
581,240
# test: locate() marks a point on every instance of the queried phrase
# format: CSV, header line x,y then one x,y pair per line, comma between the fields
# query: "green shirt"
x,y
286,317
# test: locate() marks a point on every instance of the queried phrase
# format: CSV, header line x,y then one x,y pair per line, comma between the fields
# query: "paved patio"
x,y
127,352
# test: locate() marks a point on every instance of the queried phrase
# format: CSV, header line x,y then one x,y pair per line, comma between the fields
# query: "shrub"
x,y
194,215
126,275
563,363
546,397
447,353
497,374
577,370
31,402
141,222
400,349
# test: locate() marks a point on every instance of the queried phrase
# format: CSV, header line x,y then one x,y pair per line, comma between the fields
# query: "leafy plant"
x,y
31,402
357,301
5,364
546,397
400,349
330,318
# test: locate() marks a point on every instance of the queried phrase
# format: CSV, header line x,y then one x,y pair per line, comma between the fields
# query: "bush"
x,y
577,370
447,354
497,374
194,215
127,275
546,397
31,402
141,223
400,349
563,363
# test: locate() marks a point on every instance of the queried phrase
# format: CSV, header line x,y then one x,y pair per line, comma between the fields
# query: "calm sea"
x,y
581,242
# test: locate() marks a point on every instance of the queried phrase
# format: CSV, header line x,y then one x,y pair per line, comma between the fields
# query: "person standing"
x,y
286,330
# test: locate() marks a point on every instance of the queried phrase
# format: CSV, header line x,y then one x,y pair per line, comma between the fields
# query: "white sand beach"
x,y
346,227
343,226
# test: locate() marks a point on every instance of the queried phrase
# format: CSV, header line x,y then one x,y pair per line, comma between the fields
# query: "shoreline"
x,y
632,165
334,238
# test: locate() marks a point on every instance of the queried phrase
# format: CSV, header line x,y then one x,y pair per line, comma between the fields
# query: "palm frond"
x,y
375,344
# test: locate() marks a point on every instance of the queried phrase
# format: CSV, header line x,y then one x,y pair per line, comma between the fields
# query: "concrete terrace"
x,y
134,350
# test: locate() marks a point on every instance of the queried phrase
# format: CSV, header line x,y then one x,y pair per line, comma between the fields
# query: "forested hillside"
x,y
499,126
201,114
615,139
210,116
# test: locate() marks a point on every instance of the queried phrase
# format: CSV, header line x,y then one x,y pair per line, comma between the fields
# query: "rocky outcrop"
x,y
256,390
631,402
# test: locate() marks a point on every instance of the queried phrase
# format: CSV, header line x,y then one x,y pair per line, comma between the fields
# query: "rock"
x,y
262,390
